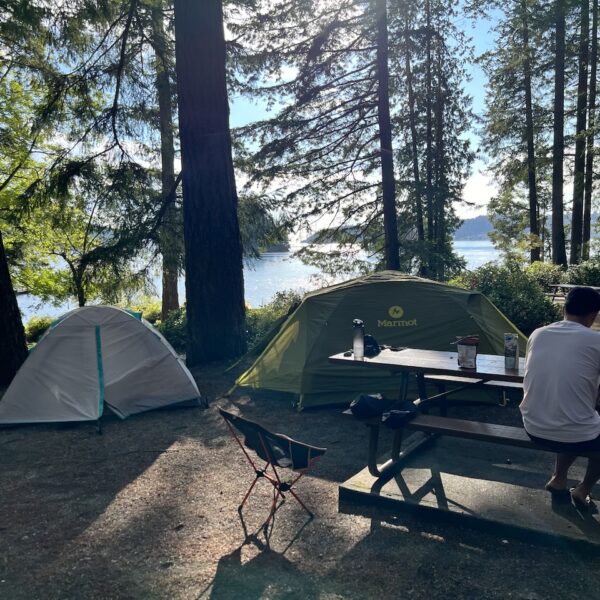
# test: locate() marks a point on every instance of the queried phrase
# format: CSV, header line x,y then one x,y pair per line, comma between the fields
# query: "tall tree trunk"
x,y
589,157
390,223
580,138
13,347
543,233
534,229
213,249
414,138
77,274
559,255
169,231
81,299
440,166
429,134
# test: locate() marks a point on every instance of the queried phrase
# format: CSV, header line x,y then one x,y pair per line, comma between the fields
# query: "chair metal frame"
x,y
280,486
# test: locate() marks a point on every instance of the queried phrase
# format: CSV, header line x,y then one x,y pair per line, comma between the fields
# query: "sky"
x,y
480,186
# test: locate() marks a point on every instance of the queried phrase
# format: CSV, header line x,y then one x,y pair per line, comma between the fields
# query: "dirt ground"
x,y
148,510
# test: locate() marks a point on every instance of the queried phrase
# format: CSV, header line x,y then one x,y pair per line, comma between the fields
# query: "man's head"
x,y
582,305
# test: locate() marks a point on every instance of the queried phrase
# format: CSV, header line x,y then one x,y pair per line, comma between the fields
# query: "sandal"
x,y
558,494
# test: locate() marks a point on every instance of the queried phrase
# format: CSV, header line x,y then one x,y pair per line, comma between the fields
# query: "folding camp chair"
x,y
278,451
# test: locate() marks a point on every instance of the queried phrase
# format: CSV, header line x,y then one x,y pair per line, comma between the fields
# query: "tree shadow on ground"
x,y
150,502
429,559
501,488
65,484
148,510
269,574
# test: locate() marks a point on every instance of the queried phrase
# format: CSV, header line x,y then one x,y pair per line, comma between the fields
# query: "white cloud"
x,y
478,191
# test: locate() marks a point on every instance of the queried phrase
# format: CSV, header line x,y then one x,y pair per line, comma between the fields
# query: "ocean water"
x,y
476,253
275,271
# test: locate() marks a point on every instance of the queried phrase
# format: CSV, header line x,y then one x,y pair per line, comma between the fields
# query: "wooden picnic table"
x,y
564,288
423,363
435,362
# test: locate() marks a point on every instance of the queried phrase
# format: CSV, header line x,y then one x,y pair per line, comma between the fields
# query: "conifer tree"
x,y
589,156
516,123
22,132
170,231
580,134
541,55
559,254
320,154
213,251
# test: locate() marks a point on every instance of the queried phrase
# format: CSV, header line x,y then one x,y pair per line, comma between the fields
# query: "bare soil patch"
x,y
149,510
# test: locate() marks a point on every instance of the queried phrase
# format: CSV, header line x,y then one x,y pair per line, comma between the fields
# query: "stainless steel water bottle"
x,y
358,340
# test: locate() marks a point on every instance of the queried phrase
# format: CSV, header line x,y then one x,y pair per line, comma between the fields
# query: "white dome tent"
x,y
92,357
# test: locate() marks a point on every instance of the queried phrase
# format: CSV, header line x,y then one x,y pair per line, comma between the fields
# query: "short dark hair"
x,y
582,301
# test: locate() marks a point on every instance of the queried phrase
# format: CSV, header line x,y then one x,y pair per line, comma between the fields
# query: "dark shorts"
x,y
567,447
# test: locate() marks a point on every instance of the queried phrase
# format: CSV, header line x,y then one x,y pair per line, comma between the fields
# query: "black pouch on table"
x,y
367,406
372,348
401,413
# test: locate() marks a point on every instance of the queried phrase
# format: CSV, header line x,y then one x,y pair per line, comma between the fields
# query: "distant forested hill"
x,y
478,227
474,229
471,229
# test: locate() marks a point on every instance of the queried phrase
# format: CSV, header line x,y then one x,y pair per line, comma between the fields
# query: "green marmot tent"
x,y
397,309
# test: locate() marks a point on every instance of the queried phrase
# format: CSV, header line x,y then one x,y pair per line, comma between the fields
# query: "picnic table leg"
x,y
443,401
397,444
397,455
422,392
374,468
373,446
403,389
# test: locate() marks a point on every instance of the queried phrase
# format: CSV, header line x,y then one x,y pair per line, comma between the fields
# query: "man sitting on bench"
x,y
562,372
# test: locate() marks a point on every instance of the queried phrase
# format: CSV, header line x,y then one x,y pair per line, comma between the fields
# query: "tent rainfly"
x,y
397,309
93,357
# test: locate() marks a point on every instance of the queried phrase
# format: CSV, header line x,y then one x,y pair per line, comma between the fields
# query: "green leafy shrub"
x,y
174,329
545,273
36,327
259,321
283,301
585,273
149,307
514,291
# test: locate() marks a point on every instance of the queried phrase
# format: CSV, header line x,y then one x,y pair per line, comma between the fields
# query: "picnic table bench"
x,y
564,288
433,426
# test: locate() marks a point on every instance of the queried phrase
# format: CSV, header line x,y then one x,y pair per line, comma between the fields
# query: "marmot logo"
x,y
396,312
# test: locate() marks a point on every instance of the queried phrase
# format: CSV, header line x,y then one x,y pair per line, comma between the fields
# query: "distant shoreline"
x,y
475,229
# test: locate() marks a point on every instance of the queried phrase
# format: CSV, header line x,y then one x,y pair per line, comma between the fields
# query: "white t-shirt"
x,y
562,373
